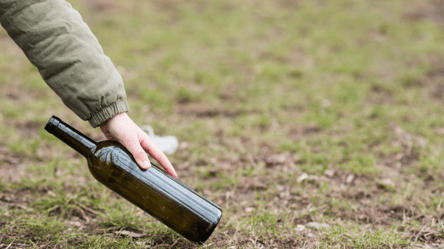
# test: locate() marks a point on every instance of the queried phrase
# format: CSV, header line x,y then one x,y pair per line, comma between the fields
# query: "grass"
x,y
259,93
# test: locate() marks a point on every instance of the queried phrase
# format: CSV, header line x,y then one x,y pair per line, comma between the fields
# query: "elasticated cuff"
x,y
108,112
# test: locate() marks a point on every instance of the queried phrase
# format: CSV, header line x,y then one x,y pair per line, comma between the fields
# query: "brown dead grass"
x,y
362,192
431,10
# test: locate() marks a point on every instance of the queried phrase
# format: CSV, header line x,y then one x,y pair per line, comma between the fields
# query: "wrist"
x,y
104,114
115,117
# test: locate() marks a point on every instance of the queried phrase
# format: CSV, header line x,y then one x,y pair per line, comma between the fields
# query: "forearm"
x,y
68,56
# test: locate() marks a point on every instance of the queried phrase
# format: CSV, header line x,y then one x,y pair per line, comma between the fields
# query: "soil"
x,y
362,191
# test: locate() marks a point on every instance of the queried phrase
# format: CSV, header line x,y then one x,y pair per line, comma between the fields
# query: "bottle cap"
x,y
53,122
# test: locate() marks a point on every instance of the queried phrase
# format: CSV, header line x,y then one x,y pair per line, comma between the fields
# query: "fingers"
x,y
139,154
123,129
157,154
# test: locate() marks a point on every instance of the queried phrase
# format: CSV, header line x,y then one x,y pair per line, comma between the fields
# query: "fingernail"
x,y
147,165
144,165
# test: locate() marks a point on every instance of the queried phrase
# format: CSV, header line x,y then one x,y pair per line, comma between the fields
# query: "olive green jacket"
x,y
68,56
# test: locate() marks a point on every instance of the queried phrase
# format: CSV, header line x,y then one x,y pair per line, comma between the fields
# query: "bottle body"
x,y
162,196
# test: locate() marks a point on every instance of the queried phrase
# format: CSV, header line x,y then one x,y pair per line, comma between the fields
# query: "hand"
x,y
122,129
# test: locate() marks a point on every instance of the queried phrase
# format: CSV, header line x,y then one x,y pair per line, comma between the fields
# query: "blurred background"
x,y
309,122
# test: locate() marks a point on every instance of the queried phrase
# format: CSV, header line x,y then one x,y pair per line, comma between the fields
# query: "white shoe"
x,y
167,144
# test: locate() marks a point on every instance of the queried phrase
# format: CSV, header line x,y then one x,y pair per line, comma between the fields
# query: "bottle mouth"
x,y
52,123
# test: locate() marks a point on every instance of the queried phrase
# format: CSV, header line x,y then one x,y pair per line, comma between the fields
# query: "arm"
x,y
71,61
68,56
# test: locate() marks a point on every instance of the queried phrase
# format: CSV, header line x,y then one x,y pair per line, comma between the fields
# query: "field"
x,y
311,123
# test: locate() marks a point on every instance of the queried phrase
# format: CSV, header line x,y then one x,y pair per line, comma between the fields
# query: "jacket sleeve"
x,y
68,56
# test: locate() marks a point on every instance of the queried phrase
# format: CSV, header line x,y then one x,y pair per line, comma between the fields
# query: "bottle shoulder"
x,y
110,146
109,152
106,144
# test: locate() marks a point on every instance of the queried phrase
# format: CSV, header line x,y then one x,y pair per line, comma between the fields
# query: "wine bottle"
x,y
157,193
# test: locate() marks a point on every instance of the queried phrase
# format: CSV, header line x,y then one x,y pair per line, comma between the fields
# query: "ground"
x,y
312,124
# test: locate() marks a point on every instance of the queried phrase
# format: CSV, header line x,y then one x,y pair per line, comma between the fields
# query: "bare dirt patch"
x,y
304,130
27,129
430,10
202,111
12,166
434,80
380,95
102,5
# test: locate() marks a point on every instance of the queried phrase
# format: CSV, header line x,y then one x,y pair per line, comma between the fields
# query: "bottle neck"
x,y
72,137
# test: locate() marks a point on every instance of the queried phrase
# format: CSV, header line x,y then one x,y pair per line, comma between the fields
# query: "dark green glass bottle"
x,y
161,195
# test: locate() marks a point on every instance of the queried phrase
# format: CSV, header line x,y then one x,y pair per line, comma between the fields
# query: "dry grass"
x,y
312,124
